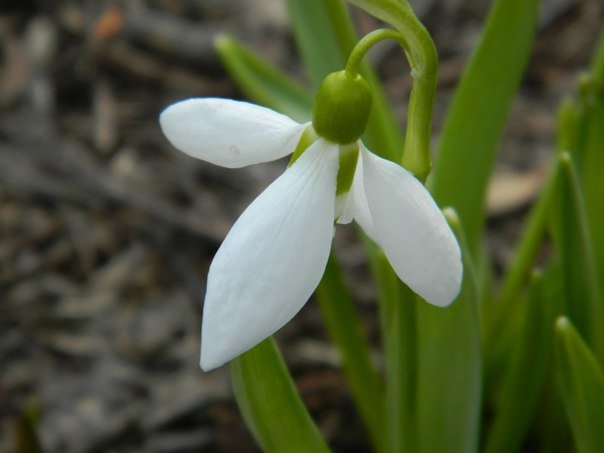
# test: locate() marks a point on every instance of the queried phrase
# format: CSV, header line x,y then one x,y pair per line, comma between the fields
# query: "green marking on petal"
x,y
349,156
309,136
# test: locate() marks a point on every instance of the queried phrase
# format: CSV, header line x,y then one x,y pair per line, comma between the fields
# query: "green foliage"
x,y
397,312
478,112
571,235
344,326
518,397
581,383
449,358
502,318
313,30
270,403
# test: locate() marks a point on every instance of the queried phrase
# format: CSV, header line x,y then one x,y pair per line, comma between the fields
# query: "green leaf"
x,y
581,383
478,113
270,403
597,67
593,189
573,241
397,326
262,82
501,318
317,39
521,389
551,430
582,135
344,326
449,370
567,135
398,305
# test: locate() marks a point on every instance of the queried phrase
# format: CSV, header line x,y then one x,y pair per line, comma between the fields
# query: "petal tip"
x,y
209,363
211,356
451,287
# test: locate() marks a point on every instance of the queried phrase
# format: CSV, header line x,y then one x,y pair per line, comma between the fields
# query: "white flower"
x,y
275,255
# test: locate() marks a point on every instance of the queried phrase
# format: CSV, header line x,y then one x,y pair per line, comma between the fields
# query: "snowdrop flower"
x,y
275,255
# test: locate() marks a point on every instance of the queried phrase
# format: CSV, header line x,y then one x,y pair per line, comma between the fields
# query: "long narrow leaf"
x,y
593,175
501,318
581,383
597,67
525,373
270,403
449,371
550,427
344,326
585,118
573,241
398,306
477,116
316,38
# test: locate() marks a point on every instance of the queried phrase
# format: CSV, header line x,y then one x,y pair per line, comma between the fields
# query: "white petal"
x,y
229,133
412,231
272,259
356,206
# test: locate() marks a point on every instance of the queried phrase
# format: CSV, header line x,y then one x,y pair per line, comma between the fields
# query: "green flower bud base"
x,y
341,108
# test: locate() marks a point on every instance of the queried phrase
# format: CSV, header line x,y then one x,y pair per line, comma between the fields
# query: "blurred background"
x,y
107,232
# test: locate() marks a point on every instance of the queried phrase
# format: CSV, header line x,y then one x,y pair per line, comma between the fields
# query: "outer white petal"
x,y
356,206
412,231
272,259
229,133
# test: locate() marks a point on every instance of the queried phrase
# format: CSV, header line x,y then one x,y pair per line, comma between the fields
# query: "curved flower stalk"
x,y
275,255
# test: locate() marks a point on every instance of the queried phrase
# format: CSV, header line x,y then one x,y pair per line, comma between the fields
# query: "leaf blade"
x,y
520,390
449,357
270,403
573,241
344,326
475,121
581,383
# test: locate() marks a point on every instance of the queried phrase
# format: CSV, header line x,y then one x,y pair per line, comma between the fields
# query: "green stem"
x,y
370,40
423,62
